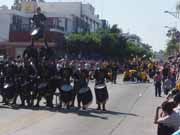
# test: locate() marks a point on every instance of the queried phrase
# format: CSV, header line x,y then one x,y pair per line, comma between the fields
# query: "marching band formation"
x,y
37,74
33,80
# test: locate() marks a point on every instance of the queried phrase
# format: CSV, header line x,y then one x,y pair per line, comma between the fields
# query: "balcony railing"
x,y
28,27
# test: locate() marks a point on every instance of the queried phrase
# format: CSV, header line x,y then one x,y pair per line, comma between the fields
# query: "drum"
x,y
66,93
9,91
25,89
35,32
24,84
101,93
85,96
42,85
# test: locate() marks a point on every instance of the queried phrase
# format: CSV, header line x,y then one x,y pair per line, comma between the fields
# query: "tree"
x,y
86,43
107,43
115,29
172,47
17,5
134,38
173,43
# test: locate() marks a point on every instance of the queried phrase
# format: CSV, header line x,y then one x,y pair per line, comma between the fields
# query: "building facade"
x,y
105,24
15,32
73,16
5,21
62,18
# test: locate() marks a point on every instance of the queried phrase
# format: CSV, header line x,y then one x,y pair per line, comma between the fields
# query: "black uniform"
x,y
100,88
38,20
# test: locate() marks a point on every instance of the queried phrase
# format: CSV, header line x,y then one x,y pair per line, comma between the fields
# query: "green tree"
x,y
172,47
108,43
115,29
173,43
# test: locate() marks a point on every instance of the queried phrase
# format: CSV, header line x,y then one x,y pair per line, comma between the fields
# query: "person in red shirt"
x,y
157,83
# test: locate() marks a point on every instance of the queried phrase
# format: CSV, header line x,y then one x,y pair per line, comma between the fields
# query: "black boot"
x,y
99,107
104,107
68,106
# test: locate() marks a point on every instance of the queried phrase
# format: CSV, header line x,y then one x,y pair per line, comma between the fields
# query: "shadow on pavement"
x,y
90,112
112,112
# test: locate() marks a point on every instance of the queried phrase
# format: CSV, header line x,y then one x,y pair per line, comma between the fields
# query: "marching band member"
x,y
100,89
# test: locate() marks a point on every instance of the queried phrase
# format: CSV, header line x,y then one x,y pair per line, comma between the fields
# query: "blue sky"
x,y
145,18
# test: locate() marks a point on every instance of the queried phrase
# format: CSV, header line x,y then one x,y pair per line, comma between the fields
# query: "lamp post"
x,y
174,14
168,27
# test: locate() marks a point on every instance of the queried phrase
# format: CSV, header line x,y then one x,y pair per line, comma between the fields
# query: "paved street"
x,y
131,110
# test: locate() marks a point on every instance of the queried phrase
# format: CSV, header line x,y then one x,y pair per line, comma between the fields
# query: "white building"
x,y
15,30
5,21
75,16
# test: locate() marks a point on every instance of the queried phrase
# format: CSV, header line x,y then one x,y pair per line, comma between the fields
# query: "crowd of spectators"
x,y
167,80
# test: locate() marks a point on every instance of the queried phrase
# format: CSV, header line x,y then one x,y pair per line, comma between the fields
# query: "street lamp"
x,y
170,28
174,14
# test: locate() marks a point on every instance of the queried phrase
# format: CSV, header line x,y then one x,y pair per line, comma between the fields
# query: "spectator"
x,y
168,119
165,71
167,86
176,133
157,83
173,79
177,102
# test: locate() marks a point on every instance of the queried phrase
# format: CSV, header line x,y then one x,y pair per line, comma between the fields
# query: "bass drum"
x,y
85,96
8,92
66,94
101,93
42,86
